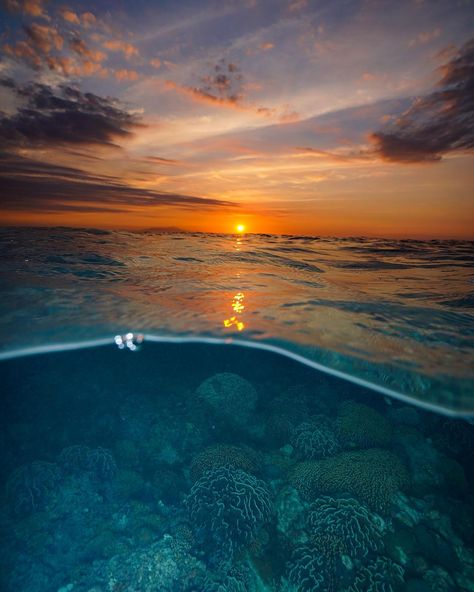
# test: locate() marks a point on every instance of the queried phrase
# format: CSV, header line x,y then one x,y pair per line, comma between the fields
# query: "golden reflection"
x,y
238,307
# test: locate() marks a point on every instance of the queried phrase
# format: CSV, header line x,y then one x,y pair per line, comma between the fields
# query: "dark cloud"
x,y
63,116
224,82
29,184
438,123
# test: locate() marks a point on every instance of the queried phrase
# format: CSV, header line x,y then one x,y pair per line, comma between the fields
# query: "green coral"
x,y
224,455
380,575
348,522
360,426
373,476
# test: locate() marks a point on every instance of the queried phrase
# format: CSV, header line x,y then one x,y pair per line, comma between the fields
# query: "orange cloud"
x,y
155,62
29,7
71,67
125,74
126,48
69,16
80,47
44,37
23,51
88,19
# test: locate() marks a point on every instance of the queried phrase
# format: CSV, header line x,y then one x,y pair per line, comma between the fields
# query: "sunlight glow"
x,y
240,228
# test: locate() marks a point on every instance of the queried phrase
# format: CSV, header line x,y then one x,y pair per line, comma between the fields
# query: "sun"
x,y
240,228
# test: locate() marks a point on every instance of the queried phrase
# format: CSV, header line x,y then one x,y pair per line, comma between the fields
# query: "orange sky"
x,y
293,120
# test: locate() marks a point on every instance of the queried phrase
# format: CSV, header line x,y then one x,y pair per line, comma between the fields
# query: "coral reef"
x,y
314,439
99,461
229,506
230,397
360,426
373,476
29,485
229,577
224,455
307,569
166,566
357,528
379,575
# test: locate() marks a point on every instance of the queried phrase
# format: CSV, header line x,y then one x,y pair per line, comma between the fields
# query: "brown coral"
x,y
224,455
360,426
373,476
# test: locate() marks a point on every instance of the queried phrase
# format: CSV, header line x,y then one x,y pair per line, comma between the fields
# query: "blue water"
x,y
287,414
396,313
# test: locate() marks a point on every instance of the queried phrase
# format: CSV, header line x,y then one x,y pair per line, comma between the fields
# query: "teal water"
x,y
287,414
198,467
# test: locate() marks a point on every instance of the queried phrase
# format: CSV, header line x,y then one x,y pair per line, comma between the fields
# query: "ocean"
x,y
194,412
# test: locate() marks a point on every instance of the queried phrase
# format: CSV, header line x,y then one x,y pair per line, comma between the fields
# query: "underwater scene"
x,y
254,413
143,467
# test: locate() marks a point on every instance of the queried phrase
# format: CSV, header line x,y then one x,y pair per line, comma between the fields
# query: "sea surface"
x,y
217,413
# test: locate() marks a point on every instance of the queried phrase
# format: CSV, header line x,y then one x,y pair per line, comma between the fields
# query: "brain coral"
x,y
229,506
98,461
380,575
28,486
308,570
224,455
373,476
230,396
348,521
315,439
360,426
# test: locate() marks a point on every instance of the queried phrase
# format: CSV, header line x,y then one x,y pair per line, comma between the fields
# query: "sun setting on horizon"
x,y
281,109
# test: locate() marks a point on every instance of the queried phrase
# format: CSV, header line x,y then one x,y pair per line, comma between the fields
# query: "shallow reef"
x,y
215,469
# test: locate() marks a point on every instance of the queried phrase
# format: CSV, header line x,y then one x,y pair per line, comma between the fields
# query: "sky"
x,y
313,117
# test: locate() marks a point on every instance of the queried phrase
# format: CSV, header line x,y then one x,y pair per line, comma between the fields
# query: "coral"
x,y
380,575
315,439
229,578
373,476
360,426
307,569
222,455
164,566
230,397
99,461
358,530
229,506
29,485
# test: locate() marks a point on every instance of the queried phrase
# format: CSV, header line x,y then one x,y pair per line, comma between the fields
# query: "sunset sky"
x,y
322,117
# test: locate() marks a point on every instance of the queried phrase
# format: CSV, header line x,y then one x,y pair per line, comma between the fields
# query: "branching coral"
x,y
360,426
358,530
229,506
28,485
315,439
373,476
224,455
98,461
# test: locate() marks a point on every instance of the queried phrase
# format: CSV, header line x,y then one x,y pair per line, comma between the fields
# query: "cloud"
x,y
29,184
155,62
80,47
69,16
125,74
63,115
44,38
128,50
425,37
438,123
28,7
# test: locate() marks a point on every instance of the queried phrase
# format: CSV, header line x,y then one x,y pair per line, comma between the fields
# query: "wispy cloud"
x,y
32,185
